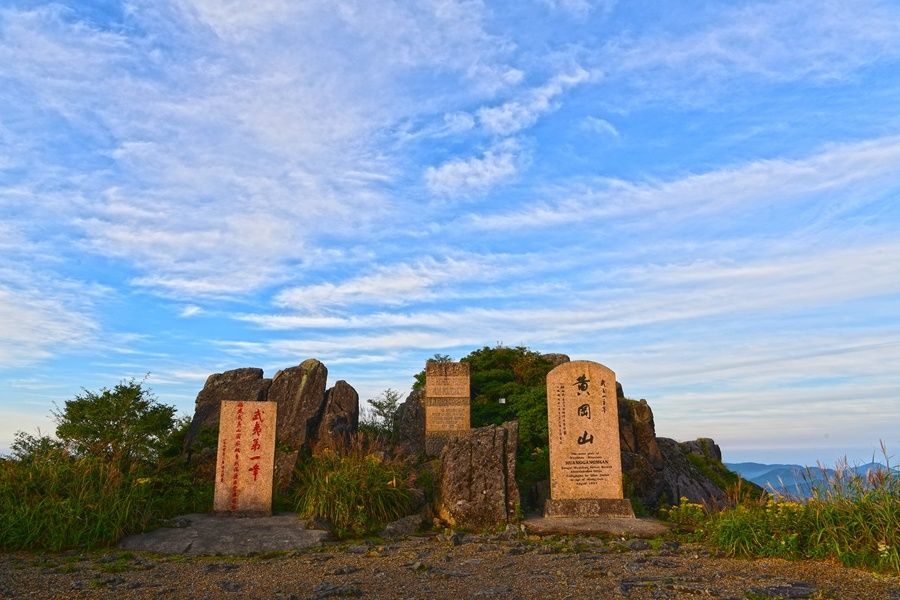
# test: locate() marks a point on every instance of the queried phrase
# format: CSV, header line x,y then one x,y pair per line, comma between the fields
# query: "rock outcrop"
x,y
238,384
306,414
409,424
340,418
658,471
299,393
477,483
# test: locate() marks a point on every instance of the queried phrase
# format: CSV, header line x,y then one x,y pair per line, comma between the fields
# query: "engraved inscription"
x,y
585,461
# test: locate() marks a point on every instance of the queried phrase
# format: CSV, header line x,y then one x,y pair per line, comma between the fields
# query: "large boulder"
x,y
238,384
477,483
409,424
340,417
299,393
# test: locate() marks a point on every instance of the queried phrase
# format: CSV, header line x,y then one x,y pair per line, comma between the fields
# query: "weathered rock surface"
x,y
681,478
238,384
409,423
477,484
340,418
657,470
300,395
201,534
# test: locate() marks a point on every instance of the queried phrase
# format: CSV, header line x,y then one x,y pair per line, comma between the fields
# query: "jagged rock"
x,y
637,432
477,484
682,478
556,359
409,424
299,393
340,418
704,448
238,384
656,470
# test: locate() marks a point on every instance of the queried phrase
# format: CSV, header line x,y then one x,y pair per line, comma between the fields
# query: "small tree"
x,y
123,424
384,411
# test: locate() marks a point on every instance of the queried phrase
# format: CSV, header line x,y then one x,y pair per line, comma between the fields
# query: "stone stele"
x,y
446,398
245,461
585,460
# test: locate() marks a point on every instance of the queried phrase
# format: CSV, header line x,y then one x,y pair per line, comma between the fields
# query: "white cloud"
x,y
230,161
37,323
515,115
779,41
392,285
191,310
601,126
475,174
860,171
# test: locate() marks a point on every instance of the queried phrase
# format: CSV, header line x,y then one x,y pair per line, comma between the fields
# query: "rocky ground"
x,y
457,566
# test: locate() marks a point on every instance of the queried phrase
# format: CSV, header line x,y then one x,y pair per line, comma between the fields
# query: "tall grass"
x,y
357,490
851,517
55,502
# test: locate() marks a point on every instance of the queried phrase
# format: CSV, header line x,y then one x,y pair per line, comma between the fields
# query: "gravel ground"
x,y
439,566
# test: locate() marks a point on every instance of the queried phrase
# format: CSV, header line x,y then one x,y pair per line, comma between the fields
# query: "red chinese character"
x,y
257,416
255,445
257,428
255,470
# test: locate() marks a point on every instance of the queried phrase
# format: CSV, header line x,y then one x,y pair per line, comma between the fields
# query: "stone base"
x,y
617,526
585,508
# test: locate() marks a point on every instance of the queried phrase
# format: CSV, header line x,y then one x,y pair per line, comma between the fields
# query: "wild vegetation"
x,y
112,470
851,517
357,490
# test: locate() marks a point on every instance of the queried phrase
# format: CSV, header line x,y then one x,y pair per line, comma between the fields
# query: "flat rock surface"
x,y
457,566
205,534
620,526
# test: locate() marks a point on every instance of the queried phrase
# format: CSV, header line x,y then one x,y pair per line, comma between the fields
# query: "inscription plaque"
x,y
446,397
246,457
583,419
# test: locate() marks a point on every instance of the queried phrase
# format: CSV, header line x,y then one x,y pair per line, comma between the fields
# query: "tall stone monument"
x,y
585,460
246,456
447,411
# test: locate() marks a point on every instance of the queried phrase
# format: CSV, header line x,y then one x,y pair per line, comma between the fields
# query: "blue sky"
x,y
703,196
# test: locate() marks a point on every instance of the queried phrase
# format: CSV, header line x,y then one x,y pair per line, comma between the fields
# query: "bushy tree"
x,y
125,423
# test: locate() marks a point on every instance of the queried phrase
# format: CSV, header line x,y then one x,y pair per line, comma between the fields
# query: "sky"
x,y
702,196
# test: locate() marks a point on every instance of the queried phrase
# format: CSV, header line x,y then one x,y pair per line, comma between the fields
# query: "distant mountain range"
x,y
792,480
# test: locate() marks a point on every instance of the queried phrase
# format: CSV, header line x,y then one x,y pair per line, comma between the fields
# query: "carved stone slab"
x,y
446,397
582,414
246,456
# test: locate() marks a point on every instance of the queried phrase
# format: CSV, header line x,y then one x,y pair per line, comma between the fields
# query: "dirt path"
x,y
435,567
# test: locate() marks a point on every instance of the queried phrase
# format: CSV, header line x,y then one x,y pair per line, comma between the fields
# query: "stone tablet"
x,y
446,398
246,457
585,460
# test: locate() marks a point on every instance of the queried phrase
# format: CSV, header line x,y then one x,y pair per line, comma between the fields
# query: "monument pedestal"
x,y
587,508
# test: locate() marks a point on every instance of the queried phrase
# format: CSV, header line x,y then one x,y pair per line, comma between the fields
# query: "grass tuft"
x,y
357,491
852,518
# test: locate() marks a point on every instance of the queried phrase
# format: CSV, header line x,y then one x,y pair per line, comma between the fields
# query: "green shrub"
x,y
357,492
115,470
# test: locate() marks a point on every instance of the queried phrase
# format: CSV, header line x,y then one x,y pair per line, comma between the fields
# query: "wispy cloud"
x,y
513,116
867,165
476,174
